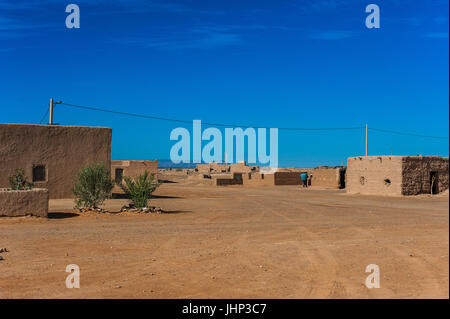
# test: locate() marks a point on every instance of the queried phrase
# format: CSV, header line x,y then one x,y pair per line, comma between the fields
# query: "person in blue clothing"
x,y
304,177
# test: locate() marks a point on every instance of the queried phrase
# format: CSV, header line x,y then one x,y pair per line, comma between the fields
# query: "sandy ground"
x,y
233,242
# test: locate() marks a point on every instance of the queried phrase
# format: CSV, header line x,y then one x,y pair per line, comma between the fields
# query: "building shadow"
x,y
61,215
177,212
166,181
125,196
163,196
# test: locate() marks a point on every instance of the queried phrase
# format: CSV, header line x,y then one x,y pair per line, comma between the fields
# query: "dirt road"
x,y
233,242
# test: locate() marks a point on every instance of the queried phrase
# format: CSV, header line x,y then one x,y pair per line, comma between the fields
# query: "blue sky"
x,y
295,63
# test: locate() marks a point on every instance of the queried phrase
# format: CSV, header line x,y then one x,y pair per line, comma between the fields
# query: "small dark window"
x,y
387,182
39,173
362,180
119,175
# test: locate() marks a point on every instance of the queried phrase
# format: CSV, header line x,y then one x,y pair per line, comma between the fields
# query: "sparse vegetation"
x,y
93,186
140,189
19,181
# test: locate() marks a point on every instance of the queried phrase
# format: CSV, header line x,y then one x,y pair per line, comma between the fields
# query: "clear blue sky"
x,y
304,63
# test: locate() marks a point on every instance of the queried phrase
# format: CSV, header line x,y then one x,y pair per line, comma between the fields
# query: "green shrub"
x,y
93,186
19,181
140,189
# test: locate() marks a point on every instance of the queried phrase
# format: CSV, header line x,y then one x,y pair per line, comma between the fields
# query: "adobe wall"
x,y
64,150
258,179
217,168
24,202
372,174
416,174
134,168
287,178
325,176
227,179
213,168
242,168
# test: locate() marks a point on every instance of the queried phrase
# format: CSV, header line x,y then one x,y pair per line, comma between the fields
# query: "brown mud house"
x,y
133,168
397,175
52,155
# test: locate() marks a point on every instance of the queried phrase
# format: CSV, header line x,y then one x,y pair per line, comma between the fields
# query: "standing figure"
x,y
304,177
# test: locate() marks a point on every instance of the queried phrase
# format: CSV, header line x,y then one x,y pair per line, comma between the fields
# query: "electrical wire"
x,y
45,115
98,109
205,123
407,134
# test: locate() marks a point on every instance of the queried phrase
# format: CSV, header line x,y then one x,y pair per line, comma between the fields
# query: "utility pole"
x,y
50,120
367,140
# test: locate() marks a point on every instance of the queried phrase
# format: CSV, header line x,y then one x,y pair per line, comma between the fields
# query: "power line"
x,y
407,134
45,115
245,126
205,123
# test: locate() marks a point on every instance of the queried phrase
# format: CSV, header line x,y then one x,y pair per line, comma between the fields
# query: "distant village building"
x,y
52,155
328,176
271,179
133,169
397,175
219,168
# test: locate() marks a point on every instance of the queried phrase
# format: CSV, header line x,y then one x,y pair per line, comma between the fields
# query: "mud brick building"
x,y
327,176
52,155
212,167
397,175
271,179
220,168
133,169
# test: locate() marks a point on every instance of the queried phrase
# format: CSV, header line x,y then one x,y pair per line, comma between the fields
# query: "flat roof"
x,y
53,125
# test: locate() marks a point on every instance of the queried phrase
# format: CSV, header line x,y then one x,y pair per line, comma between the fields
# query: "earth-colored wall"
x,y
134,168
395,175
213,168
325,176
287,178
271,179
216,168
242,168
416,174
26,202
367,175
258,179
64,150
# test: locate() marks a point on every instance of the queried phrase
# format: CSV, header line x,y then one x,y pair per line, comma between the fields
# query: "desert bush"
x,y
19,181
93,186
140,189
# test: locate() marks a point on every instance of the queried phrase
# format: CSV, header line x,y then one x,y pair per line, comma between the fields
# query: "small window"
x,y
119,175
39,174
387,182
362,180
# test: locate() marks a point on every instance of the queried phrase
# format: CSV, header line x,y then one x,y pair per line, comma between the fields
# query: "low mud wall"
x,y
24,202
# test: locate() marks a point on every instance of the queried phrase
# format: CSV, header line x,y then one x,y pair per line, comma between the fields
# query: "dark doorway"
x,y
434,183
119,175
342,178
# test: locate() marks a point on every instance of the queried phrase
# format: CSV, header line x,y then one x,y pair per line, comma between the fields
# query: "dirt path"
x,y
233,242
